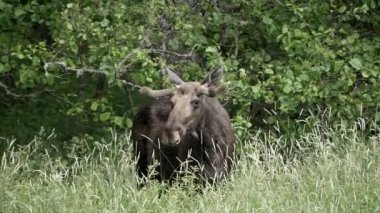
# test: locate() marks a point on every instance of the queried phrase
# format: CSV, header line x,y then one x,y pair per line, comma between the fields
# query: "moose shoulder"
x,y
183,128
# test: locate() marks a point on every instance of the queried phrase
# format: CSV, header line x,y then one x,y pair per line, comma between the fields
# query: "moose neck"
x,y
208,110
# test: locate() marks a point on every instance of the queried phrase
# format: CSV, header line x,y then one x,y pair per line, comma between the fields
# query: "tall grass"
x,y
338,171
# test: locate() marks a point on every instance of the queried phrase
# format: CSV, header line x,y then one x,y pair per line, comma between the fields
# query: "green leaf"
x,y
342,9
118,120
69,26
20,55
104,23
242,73
268,71
267,20
94,106
255,89
19,12
287,89
129,122
104,116
211,50
356,63
285,28
365,74
304,77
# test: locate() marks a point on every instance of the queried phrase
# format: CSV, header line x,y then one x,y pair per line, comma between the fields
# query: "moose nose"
x,y
176,142
173,138
174,134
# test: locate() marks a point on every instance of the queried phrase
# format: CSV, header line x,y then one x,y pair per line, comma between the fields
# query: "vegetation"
x,y
67,65
303,80
340,175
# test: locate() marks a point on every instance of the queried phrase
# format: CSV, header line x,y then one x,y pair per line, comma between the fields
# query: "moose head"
x,y
188,102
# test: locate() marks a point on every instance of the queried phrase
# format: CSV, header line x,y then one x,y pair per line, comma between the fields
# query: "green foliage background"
x,y
62,63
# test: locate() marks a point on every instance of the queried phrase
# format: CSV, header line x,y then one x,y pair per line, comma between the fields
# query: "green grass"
x,y
339,172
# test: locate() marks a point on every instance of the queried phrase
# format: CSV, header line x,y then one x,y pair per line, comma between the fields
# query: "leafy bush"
x,y
63,63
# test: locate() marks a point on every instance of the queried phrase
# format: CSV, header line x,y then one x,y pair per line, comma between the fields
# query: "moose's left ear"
x,y
214,77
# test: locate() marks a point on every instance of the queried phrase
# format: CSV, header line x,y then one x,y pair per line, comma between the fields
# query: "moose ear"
x,y
174,78
214,77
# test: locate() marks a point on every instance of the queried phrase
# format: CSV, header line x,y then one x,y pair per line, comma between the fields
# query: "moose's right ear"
x,y
214,77
174,78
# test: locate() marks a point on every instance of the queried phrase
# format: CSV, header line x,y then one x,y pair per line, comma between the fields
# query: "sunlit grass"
x,y
336,170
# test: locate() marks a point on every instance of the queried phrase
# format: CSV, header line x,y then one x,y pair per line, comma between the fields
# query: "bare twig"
x,y
79,71
10,93
131,84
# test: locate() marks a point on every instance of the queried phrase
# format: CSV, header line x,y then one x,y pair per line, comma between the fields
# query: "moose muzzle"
x,y
172,135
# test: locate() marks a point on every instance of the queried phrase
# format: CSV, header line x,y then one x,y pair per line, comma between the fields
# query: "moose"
x,y
184,127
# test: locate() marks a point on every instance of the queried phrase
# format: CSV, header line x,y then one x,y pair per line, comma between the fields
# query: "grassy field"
x,y
339,172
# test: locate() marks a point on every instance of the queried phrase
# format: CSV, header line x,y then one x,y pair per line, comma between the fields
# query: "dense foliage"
x,y
64,64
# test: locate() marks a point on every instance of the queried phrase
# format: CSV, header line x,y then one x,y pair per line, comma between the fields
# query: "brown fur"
x,y
207,143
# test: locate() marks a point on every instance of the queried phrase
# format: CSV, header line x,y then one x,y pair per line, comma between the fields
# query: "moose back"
x,y
184,129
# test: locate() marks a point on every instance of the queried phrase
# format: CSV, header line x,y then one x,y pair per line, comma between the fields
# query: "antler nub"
x,y
155,93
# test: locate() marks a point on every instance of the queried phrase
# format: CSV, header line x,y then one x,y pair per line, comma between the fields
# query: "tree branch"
x,y
79,71
10,93
119,67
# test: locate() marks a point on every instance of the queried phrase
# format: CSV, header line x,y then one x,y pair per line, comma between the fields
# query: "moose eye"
x,y
195,103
